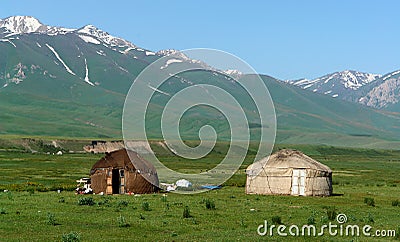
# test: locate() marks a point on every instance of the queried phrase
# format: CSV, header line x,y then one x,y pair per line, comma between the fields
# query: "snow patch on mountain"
x,y
104,36
89,39
59,58
150,53
127,50
233,72
87,74
101,52
169,62
9,41
390,75
158,90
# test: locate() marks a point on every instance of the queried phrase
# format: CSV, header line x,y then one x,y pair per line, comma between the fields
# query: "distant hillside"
x,y
72,83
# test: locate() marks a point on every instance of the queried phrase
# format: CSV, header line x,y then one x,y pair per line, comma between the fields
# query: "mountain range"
x,y
374,90
64,82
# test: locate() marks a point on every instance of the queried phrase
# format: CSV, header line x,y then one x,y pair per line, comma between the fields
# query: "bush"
x,y
30,190
369,218
331,212
105,202
186,212
146,206
88,201
311,220
369,201
3,211
276,220
51,219
122,204
395,203
122,222
61,200
71,237
164,199
210,204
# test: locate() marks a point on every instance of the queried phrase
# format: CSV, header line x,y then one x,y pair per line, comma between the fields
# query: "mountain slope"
x,y
385,94
72,83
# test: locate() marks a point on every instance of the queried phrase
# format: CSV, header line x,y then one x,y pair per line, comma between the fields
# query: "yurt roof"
x,y
121,159
288,158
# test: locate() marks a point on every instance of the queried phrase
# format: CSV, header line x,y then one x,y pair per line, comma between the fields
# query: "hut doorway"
x,y
299,182
118,181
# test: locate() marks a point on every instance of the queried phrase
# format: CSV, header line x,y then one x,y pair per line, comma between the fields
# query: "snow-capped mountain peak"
x,y
21,24
104,36
28,24
338,82
174,53
348,79
233,72
354,79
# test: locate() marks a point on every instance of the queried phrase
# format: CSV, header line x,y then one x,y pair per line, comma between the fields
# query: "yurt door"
x,y
299,182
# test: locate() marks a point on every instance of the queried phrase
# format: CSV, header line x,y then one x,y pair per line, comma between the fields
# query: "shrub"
x,y
10,196
51,219
369,218
210,204
61,200
369,201
186,212
276,220
243,224
331,212
86,201
122,204
122,222
3,211
395,203
105,201
30,190
311,220
146,206
164,199
71,237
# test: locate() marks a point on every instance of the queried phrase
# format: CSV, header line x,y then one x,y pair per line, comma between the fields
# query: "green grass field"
x,y
33,211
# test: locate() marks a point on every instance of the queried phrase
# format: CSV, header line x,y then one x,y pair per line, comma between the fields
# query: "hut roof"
x,y
124,159
288,158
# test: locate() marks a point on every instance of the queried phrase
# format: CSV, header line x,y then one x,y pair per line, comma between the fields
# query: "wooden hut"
x,y
119,173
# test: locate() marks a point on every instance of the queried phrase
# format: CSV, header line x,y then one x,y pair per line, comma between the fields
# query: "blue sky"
x,y
284,39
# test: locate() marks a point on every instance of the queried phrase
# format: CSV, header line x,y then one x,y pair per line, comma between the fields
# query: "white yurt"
x,y
289,172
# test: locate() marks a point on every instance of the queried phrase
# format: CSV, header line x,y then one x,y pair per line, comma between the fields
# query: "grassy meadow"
x,y
366,189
